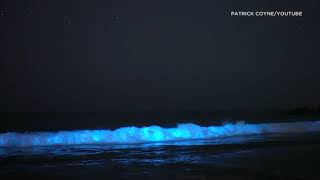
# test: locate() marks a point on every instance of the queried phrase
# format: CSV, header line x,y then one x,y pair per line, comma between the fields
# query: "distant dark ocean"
x,y
203,146
24,122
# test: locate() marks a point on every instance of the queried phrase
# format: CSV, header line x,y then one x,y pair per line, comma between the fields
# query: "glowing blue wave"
x,y
127,135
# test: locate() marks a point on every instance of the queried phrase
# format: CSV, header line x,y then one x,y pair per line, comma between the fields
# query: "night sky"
x,y
148,55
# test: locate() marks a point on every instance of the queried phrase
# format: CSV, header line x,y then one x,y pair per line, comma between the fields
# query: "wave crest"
x,y
128,135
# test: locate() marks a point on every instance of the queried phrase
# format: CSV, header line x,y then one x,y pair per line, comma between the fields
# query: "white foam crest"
x,y
129,135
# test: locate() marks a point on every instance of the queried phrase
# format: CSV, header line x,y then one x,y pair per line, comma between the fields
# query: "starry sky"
x,y
157,55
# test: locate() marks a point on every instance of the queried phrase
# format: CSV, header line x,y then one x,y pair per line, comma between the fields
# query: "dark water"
x,y
272,156
28,122
256,157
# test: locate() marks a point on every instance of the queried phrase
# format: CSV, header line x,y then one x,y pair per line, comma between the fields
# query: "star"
x,y
116,18
1,13
67,20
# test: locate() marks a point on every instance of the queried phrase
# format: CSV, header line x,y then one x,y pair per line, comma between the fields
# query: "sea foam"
x,y
129,135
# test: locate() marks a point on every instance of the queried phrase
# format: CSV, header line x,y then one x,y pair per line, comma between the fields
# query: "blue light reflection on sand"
x,y
130,135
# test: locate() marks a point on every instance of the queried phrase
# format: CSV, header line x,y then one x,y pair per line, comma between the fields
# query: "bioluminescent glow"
x,y
129,135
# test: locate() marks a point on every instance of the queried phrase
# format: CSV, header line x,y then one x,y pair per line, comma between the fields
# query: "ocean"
x,y
193,149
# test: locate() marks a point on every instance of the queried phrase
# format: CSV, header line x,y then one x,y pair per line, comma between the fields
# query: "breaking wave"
x,y
129,135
